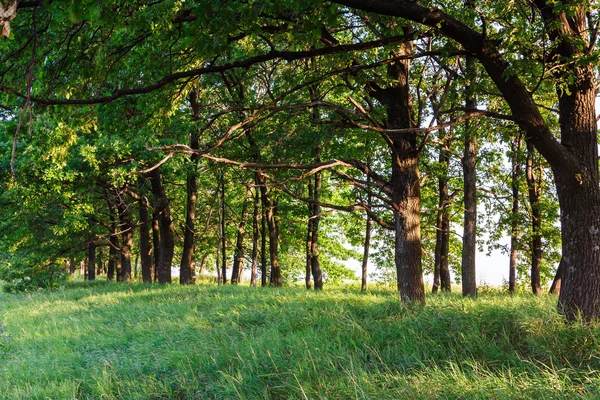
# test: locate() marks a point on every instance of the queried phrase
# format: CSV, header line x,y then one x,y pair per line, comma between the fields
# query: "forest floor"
x,y
133,341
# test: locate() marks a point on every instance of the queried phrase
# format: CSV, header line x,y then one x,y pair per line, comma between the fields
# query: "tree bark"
x,y
255,236
145,245
72,266
441,276
556,283
405,182
165,225
238,257
203,264
126,228
223,231
263,242
366,248
155,245
99,264
186,272
514,218
91,261
534,189
469,164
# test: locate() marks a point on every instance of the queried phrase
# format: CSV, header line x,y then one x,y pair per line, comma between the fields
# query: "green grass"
x,y
120,341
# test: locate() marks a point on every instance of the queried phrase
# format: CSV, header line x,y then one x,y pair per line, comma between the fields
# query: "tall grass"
x,y
136,341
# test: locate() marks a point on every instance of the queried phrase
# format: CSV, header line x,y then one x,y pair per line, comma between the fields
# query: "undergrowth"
x,y
136,341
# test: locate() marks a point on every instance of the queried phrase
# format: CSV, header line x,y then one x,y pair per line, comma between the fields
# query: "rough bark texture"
x,y
514,218
405,182
186,272
469,164
165,224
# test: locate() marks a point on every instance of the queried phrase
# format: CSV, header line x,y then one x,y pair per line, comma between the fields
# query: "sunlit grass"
x,y
135,341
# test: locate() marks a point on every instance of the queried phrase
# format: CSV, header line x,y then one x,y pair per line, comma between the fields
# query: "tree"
x,y
574,158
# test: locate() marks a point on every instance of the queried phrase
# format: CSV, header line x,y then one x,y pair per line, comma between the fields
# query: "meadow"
x,y
103,340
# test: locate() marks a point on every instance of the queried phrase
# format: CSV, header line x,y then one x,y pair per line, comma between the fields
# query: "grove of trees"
x,y
270,135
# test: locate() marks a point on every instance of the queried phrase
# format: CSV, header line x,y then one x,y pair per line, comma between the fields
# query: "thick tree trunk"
x,y
255,236
186,272
145,245
91,260
165,223
238,257
469,164
405,182
514,217
534,189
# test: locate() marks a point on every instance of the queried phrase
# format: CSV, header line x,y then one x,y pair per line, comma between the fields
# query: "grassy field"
x,y
134,341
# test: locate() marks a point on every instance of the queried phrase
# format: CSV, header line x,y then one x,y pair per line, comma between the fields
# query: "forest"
x,y
268,142
284,199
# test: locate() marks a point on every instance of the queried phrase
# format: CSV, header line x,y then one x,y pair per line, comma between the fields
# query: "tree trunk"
x,y
442,237
534,189
72,266
309,239
238,257
223,232
366,247
165,223
155,244
263,244
145,246
514,218
316,218
203,264
91,261
469,164
255,236
186,273
556,283
405,182
99,264
126,227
